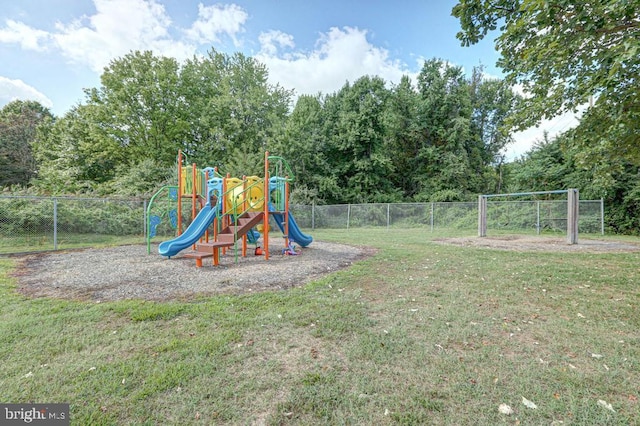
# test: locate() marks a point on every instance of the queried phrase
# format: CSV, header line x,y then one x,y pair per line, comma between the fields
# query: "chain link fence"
x,y
39,223
46,223
522,216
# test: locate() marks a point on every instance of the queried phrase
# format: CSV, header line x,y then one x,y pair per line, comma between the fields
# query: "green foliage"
x,y
19,122
356,148
364,143
219,110
141,179
75,216
304,146
563,52
559,164
139,106
74,154
232,110
446,195
25,213
111,218
566,54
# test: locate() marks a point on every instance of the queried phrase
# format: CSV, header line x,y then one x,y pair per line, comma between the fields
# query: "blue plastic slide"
x,y
192,234
295,234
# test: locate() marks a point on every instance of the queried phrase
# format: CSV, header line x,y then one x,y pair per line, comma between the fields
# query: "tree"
x,y
403,135
492,101
219,110
74,154
546,167
232,111
564,52
359,162
19,121
444,117
303,146
138,106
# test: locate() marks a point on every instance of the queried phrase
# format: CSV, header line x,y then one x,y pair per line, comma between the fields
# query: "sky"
x,y
50,50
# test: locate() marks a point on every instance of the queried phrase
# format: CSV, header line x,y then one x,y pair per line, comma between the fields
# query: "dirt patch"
x,y
529,243
128,272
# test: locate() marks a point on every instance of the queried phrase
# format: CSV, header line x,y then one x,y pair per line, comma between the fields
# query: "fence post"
x,y
602,216
55,224
573,200
537,217
431,218
388,208
482,216
313,215
348,214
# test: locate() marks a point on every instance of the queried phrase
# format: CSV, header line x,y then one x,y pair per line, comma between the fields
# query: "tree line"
x,y
438,138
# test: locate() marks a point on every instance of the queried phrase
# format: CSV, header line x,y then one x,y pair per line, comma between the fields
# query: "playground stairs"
x,y
226,238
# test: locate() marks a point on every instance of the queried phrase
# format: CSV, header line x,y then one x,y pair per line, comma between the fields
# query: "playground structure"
x,y
231,211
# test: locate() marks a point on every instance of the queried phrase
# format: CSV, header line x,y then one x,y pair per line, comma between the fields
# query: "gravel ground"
x,y
128,272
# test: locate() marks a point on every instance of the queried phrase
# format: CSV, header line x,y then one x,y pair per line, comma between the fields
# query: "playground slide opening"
x,y
191,235
295,234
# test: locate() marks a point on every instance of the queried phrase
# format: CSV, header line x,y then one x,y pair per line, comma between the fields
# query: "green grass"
x,y
421,333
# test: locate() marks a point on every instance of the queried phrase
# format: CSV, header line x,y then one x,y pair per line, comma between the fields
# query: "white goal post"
x,y
573,199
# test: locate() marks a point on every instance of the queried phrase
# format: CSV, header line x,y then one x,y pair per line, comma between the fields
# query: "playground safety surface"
x,y
128,272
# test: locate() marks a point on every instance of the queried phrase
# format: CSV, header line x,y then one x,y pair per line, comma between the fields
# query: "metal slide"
x,y
191,235
295,234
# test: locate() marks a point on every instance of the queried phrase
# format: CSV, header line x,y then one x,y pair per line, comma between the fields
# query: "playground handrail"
x,y
288,174
148,224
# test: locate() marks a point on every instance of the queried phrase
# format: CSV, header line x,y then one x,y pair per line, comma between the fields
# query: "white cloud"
x,y
272,40
216,20
117,27
339,55
28,38
120,26
11,90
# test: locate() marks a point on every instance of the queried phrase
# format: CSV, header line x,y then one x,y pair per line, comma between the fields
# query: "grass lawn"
x,y
421,333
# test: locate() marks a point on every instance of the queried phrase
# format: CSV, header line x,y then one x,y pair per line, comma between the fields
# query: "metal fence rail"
x,y
29,223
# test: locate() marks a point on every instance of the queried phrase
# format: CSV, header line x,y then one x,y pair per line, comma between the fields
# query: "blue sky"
x,y
52,49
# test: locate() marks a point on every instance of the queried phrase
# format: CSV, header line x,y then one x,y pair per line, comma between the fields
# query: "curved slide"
x,y
295,234
191,235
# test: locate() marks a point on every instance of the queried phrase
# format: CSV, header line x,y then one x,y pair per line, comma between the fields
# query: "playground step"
x,y
199,255
245,223
208,247
250,217
227,236
203,250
